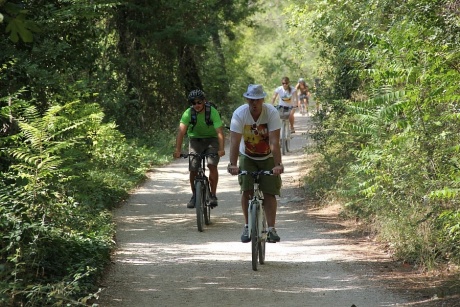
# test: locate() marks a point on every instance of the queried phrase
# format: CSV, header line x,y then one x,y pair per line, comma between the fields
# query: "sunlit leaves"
x,y
395,69
18,24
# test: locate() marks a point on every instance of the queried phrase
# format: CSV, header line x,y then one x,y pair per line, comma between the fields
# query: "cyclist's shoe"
x,y
213,201
273,236
245,236
191,203
292,130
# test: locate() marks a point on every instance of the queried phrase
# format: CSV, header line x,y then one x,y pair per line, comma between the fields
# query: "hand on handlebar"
x,y
278,170
233,169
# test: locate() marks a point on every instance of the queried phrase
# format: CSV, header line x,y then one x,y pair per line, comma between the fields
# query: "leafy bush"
x,y
391,76
68,169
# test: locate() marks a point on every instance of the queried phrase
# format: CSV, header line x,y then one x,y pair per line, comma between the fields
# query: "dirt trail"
x,y
162,260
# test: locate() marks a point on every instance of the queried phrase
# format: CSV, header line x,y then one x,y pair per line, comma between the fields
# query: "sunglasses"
x,y
197,102
284,82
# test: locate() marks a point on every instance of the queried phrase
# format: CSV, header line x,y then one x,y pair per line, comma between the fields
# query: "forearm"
x,y
276,154
179,140
234,153
221,139
275,147
221,143
234,148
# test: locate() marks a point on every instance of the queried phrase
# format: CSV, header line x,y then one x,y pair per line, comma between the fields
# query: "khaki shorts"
x,y
268,184
207,145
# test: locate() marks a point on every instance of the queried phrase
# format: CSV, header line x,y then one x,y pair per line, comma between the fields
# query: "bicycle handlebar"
x,y
285,107
256,173
200,155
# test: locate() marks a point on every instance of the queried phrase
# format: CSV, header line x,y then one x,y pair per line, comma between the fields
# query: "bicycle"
x,y
303,104
285,133
257,223
202,190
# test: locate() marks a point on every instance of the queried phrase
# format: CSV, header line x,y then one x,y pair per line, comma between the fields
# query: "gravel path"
x,y
162,260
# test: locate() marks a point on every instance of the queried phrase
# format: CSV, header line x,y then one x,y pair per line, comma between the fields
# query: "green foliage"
x,y
68,169
385,72
125,68
392,74
17,23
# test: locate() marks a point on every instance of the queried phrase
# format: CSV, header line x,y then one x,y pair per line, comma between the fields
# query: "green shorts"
x,y
268,184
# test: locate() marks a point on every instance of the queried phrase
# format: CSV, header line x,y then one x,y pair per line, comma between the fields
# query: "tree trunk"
x,y
188,69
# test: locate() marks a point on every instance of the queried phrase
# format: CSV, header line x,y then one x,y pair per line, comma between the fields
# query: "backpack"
x,y
207,114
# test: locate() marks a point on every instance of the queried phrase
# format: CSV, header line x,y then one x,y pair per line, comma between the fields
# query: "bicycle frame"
x,y
202,190
257,200
285,133
257,223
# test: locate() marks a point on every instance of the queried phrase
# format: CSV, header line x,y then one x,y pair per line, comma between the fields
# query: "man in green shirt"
x,y
205,135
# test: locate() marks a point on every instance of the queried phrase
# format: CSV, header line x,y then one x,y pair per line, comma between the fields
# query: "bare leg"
x,y
291,119
245,197
270,205
213,178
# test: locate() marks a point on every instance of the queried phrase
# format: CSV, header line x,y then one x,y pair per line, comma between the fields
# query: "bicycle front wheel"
x,y
288,140
283,137
207,208
263,240
254,235
199,204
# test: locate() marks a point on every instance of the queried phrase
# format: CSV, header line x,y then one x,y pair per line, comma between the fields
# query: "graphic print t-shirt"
x,y
286,98
255,135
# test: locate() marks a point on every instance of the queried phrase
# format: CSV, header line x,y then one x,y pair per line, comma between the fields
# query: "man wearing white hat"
x,y
255,139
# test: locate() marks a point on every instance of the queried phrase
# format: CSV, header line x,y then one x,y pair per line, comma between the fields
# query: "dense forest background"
x,y
91,93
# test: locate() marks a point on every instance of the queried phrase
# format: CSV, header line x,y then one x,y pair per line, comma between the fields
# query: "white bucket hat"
x,y
255,91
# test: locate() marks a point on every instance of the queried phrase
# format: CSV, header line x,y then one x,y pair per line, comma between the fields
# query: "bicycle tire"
x,y
254,235
199,201
283,137
263,240
206,207
288,140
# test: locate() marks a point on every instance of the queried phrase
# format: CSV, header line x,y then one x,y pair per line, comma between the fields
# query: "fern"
x,y
41,157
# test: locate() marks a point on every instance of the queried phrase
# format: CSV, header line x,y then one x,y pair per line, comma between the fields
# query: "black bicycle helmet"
x,y
195,94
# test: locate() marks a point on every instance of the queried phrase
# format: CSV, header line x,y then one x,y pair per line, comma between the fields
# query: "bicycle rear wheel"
x,y
207,208
254,235
199,204
263,240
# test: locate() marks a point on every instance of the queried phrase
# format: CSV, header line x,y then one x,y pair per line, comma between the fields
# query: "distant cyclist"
x,y
304,95
287,95
205,135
